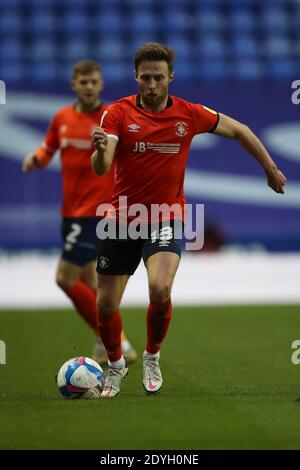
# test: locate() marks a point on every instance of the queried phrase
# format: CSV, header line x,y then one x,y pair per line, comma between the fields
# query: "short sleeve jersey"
x,y
152,150
71,131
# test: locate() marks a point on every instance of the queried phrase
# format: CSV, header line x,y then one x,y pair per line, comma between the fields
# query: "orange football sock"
x,y
110,328
84,300
158,318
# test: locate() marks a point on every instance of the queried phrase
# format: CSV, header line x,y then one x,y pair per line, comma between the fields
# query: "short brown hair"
x,y
154,51
85,66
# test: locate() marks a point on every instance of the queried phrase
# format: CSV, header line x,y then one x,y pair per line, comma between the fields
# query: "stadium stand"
x,y
238,38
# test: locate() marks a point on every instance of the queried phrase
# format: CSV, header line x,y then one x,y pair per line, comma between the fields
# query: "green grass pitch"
x,y
229,383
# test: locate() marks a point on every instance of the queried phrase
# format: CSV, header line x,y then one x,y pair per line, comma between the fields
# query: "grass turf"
x,y
229,383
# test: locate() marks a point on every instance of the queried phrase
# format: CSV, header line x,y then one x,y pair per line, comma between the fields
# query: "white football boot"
x,y
152,380
112,382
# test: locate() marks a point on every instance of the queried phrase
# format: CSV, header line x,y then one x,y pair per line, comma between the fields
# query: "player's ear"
x,y
72,85
102,83
171,77
135,75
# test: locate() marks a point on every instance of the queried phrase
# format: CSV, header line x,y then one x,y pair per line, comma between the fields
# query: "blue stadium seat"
x,y
108,21
246,69
10,4
245,46
99,5
12,72
175,4
243,20
36,5
64,71
211,46
38,24
11,23
43,50
177,20
212,69
209,20
296,19
43,72
110,49
181,45
116,71
183,69
75,22
267,3
144,20
11,50
275,19
238,3
282,68
74,50
71,5
136,4
274,2
278,46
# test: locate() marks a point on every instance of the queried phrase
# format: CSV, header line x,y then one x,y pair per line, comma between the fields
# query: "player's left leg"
x,y
88,276
161,269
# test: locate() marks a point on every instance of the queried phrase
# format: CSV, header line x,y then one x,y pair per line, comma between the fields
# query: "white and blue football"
x,y
80,377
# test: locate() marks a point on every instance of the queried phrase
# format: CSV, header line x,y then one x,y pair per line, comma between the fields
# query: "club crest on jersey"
x,y
103,262
133,128
181,128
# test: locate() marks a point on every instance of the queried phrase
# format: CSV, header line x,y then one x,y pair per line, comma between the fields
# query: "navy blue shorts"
x,y
119,257
80,239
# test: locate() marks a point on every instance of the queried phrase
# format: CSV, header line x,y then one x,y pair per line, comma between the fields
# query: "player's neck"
x,y
79,106
155,109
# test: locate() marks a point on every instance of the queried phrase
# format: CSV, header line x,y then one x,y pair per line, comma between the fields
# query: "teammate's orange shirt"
x,y
71,131
152,149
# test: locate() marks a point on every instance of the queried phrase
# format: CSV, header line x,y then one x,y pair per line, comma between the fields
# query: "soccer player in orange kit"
x,y
71,131
149,135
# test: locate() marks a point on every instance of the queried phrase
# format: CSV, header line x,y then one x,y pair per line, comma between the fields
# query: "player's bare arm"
x,y
105,148
228,127
30,162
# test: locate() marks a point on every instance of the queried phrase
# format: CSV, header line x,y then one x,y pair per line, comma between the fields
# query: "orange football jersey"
x,y
152,150
71,131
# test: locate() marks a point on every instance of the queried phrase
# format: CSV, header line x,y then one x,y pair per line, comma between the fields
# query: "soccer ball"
x,y
80,377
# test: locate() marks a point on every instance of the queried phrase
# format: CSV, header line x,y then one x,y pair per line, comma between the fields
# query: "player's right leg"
x,y
109,294
88,276
117,260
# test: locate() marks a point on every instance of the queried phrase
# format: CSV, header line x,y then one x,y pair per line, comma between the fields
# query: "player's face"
x,y
87,88
153,79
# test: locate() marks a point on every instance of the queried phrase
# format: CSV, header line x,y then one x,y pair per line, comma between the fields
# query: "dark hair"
x,y
85,66
154,51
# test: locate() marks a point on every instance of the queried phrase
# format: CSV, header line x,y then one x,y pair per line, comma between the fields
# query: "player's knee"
x,y
64,282
159,292
106,306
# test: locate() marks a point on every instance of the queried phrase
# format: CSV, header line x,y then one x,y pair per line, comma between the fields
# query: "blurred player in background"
x,y
149,135
71,131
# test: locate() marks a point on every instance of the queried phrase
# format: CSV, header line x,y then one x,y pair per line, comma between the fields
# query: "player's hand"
x,y
29,163
100,139
276,180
